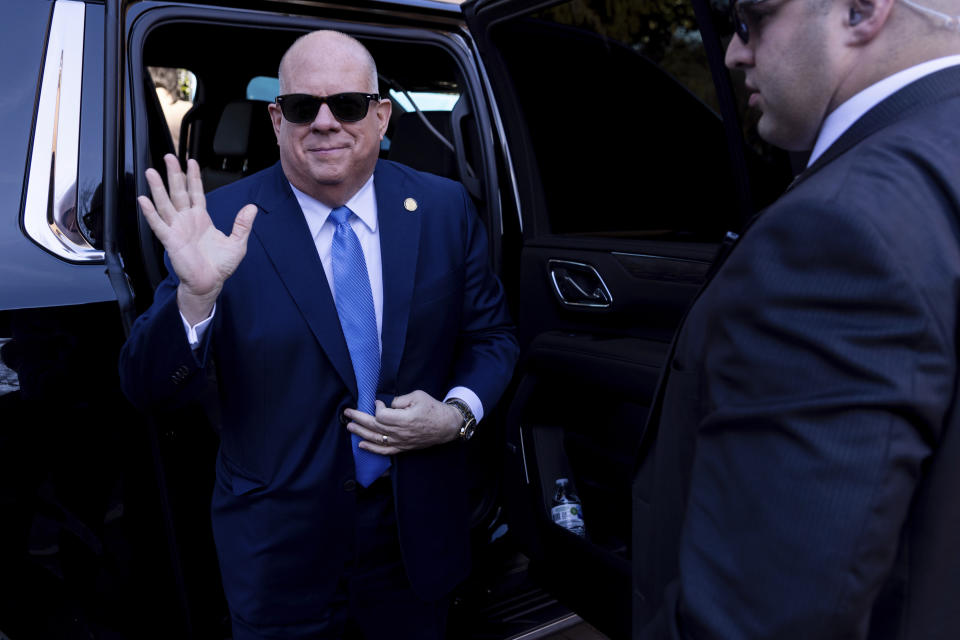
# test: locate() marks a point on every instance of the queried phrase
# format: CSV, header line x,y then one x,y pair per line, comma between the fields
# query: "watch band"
x,y
469,424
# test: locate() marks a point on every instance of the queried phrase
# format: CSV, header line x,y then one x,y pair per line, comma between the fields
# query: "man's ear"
x,y
275,117
383,110
865,18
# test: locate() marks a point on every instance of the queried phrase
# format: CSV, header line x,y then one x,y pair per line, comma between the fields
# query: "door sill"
x,y
547,629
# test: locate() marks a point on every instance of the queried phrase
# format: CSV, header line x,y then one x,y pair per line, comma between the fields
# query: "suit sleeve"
x,y
826,372
487,349
158,368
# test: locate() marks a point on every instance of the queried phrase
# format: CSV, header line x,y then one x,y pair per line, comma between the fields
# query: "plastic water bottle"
x,y
566,510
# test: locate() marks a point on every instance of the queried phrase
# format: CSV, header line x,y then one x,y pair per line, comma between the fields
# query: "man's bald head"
x,y
329,158
888,36
332,46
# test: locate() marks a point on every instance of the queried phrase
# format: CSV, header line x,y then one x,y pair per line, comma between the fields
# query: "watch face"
x,y
468,430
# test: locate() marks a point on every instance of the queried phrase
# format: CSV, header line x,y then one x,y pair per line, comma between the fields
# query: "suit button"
x,y
349,484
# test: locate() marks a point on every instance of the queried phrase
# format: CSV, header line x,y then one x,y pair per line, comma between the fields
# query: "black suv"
x,y
603,144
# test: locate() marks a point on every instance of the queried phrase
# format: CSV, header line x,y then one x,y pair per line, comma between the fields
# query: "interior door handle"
x,y
578,285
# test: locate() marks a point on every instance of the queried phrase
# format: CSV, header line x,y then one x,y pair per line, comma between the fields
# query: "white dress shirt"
x,y
364,224
843,117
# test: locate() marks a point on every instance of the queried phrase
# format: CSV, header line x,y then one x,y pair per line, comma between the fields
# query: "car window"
x,y
424,100
90,165
621,110
263,88
228,129
8,377
176,89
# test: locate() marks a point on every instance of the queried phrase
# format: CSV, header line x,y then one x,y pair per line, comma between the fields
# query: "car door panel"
x,y
586,382
626,192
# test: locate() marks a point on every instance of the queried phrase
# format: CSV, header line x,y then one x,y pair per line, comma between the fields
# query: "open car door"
x,y
622,138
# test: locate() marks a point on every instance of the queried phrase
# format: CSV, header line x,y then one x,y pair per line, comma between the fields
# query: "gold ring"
x,y
384,439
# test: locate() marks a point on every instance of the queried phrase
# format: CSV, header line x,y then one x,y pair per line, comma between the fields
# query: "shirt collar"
x,y
363,204
843,117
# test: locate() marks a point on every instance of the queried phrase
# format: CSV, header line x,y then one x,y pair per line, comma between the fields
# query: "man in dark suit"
x,y
803,452
351,296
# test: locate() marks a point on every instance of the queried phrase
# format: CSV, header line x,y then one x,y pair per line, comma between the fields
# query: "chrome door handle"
x,y
578,285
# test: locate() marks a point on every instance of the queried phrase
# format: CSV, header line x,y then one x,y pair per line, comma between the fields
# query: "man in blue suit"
x,y
802,458
358,334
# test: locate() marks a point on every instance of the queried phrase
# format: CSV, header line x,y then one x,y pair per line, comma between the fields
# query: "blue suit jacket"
x,y
283,502
802,456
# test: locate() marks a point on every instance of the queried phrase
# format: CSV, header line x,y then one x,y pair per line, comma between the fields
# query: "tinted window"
x,y
90,165
621,110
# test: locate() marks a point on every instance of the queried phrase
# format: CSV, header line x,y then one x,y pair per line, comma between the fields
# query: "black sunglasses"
x,y
740,17
302,108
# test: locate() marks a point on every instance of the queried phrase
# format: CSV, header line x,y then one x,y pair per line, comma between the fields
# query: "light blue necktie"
x,y
358,320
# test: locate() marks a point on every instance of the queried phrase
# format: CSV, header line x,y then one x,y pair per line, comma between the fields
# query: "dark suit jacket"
x,y
804,456
283,502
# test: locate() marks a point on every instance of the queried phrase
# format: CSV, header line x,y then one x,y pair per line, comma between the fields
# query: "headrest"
x,y
244,130
416,146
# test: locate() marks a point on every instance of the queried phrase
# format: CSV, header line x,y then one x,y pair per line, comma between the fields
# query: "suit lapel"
x,y
925,91
399,245
285,236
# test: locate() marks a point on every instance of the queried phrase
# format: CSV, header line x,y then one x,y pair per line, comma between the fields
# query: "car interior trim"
x,y
589,291
651,256
523,458
502,138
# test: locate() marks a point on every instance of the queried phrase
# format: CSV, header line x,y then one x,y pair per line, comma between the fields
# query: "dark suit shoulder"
x,y
909,157
896,190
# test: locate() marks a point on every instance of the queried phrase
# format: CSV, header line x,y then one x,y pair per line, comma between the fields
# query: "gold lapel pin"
x,y
410,204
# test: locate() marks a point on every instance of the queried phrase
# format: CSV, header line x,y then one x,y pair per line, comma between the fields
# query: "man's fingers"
x,y
153,218
195,185
160,198
373,440
363,419
396,417
404,401
177,183
243,223
372,436
376,448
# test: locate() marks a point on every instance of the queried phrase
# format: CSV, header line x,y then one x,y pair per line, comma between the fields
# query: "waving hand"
x,y
202,256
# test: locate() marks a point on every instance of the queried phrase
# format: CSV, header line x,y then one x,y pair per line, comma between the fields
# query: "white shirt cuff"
x,y
470,398
195,333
